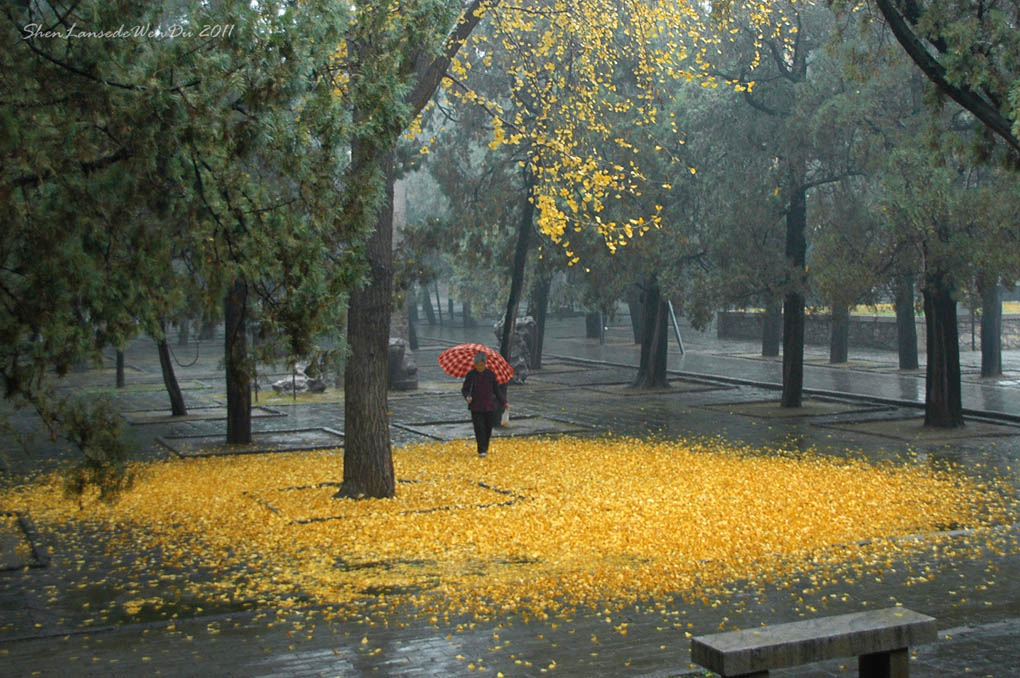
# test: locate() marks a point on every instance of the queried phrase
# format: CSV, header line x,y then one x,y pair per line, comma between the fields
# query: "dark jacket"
x,y
484,391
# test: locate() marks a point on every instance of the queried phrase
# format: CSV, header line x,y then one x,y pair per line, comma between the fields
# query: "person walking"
x,y
483,396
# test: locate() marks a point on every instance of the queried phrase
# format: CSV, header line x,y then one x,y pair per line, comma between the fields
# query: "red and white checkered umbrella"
x,y
458,360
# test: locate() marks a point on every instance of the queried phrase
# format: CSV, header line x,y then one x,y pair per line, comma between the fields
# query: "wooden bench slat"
x,y
772,647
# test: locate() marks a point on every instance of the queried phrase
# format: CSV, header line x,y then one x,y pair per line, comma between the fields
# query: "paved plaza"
x,y
718,388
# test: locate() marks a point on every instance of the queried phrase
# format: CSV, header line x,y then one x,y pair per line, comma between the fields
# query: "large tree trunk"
x,y
655,339
120,368
368,457
469,320
524,228
772,329
637,309
942,399
173,389
906,326
991,326
235,350
839,334
793,303
540,302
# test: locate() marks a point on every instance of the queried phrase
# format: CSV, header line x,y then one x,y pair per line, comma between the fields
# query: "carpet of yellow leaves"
x,y
539,527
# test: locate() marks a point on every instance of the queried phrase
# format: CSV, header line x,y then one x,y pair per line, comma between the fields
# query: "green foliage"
x,y
98,431
144,175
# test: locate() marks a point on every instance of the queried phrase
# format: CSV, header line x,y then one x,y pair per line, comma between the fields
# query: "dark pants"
x,y
483,423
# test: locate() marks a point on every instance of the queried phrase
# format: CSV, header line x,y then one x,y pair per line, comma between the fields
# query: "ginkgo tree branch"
x,y
432,74
936,72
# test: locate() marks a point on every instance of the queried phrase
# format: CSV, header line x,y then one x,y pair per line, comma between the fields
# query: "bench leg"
x,y
892,664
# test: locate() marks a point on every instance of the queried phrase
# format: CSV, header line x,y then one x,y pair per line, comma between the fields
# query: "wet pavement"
x,y
719,388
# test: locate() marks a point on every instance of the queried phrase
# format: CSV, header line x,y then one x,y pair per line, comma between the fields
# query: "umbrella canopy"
x,y
458,360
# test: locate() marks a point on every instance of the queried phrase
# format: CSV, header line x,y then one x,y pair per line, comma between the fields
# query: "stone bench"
x,y
879,639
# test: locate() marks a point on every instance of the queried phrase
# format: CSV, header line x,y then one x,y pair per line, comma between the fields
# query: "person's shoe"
x,y
482,454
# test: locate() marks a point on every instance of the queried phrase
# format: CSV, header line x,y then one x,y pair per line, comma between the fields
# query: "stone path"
x,y
43,629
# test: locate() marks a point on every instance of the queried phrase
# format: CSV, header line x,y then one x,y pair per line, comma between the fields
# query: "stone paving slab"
x,y
913,430
811,407
519,426
264,441
676,386
15,547
819,361
18,543
146,387
142,417
590,376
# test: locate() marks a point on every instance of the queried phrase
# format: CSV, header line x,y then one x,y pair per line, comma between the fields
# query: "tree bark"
x,y
592,325
235,348
368,457
906,326
426,303
991,326
636,312
439,303
412,304
412,321
469,320
208,330
655,339
524,228
540,301
772,329
942,400
120,368
173,389
793,303
183,332
839,334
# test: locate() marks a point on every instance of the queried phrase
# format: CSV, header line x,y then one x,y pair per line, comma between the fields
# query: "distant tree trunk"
x,y
991,326
208,331
906,326
772,329
540,303
412,322
439,304
636,311
426,304
655,339
469,320
839,335
793,304
120,368
183,330
173,389
235,349
524,228
592,325
368,457
449,309
412,305
943,406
